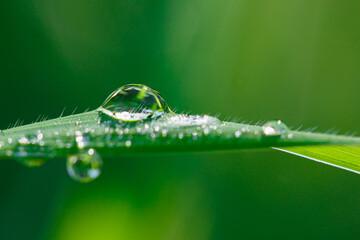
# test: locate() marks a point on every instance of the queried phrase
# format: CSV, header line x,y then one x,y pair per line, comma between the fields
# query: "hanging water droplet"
x,y
32,151
274,128
84,166
134,102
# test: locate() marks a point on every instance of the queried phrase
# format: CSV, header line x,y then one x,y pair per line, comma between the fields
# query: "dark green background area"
x,y
260,60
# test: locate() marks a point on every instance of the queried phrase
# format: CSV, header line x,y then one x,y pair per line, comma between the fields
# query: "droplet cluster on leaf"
x,y
130,116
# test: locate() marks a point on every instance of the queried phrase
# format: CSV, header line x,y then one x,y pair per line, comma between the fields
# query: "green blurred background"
x,y
260,60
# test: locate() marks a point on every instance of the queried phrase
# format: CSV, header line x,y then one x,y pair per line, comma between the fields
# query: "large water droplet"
x,y
275,128
32,151
134,102
84,166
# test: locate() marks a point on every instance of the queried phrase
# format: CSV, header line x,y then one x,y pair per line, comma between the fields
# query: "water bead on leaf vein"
x,y
134,102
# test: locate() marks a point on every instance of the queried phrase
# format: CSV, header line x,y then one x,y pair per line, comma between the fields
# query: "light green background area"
x,y
259,60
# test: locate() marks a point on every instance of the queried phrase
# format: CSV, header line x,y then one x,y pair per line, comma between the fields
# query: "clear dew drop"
x,y
134,102
32,151
84,166
82,140
128,143
274,128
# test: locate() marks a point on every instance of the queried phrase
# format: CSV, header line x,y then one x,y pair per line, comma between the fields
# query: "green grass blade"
x,y
136,120
344,157
67,135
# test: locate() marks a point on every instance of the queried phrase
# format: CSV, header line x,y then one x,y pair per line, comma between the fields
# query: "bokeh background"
x,y
260,60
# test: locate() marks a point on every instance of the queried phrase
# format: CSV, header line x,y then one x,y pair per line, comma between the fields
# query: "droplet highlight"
x,y
274,128
84,166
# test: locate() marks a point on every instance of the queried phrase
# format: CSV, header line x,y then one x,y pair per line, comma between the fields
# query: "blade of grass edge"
x,y
343,157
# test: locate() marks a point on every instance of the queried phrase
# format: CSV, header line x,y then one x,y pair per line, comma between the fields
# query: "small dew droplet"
x,y
82,140
31,151
274,128
194,135
84,166
164,132
206,131
40,136
128,143
30,161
